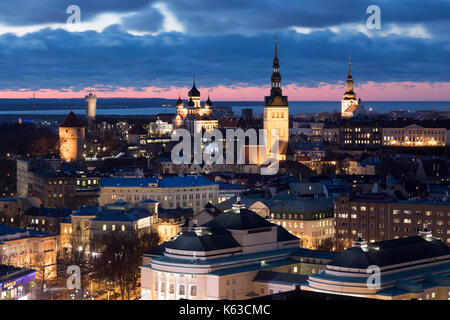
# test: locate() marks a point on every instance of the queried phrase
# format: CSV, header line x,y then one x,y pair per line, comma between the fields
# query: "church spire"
x,y
349,67
276,77
349,93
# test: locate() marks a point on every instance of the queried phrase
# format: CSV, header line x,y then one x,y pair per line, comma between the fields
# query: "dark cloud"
x,y
31,12
56,59
148,19
253,16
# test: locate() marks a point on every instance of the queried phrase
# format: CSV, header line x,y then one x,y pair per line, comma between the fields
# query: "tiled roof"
x,y
72,121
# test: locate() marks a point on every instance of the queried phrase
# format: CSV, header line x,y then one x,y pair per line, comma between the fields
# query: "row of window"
x,y
181,289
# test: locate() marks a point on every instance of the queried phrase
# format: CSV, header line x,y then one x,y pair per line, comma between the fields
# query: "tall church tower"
x,y
71,138
276,113
349,103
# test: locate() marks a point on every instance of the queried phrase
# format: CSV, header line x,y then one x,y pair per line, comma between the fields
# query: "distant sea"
x,y
126,106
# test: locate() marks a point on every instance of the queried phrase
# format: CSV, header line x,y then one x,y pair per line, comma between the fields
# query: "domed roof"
x,y
191,102
208,102
194,91
179,102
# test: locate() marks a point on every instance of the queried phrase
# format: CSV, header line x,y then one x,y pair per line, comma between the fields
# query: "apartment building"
x,y
379,217
191,191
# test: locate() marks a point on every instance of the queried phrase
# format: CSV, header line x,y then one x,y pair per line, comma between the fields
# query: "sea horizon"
x,y
153,106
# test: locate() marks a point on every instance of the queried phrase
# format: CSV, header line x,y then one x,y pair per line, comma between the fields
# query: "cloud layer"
x,y
223,43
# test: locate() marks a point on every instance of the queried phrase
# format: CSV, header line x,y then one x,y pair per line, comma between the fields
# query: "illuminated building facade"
x,y
191,191
276,114
379,217
311,220
71,138
194,116
350,105
25,248
16,283
228,258
415,135
91,106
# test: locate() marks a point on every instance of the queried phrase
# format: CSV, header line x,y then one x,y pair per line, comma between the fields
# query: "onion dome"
x,y
208,102
194,91
179,102
191,103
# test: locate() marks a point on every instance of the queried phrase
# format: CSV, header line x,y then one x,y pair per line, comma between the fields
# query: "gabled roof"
x,y
71,121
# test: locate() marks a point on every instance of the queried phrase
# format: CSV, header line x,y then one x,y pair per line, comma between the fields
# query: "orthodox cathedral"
x,y
194,116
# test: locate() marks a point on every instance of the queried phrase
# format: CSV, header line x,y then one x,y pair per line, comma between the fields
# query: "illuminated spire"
x,y
349,93
276,76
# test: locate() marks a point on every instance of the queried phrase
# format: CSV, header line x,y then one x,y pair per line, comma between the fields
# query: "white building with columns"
x,y
234,256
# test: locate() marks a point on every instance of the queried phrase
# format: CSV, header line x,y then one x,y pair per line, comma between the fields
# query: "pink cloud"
x,y
371,91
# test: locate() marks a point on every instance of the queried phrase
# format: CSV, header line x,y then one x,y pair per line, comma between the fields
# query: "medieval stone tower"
x,y
71,138
91,106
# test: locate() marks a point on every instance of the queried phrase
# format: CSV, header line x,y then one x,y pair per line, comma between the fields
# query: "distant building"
x,y
412,268
91,106
25,248
192,191
56,184
16,283
71,138
380,217
194,116
360,134
350,106
312,220
276,114
86,226
247,113
414,135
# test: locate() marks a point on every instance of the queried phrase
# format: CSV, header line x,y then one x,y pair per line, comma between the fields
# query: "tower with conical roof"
x,y
71,138
276,114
